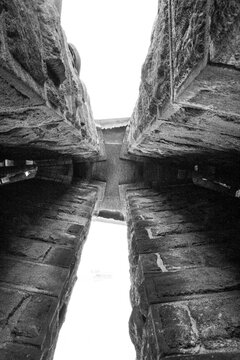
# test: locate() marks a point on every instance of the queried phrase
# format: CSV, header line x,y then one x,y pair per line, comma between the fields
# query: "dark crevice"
x,y
224,66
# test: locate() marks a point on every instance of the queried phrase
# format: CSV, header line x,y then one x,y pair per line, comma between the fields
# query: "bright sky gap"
x,y
112,38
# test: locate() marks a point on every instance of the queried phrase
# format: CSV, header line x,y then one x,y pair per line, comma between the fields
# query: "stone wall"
x,y
184,258
188,105
58,170
43,228
44,107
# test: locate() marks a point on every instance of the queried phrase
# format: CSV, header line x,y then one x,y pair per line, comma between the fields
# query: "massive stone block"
x,y
155,86
43,230
199,42
189,39
184,266
225,33
38,78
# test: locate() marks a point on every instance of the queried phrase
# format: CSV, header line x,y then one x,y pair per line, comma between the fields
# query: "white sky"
x,y
96,325
112,37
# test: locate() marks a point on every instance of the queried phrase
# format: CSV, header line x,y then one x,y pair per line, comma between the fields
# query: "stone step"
x,y
197,328
142,244
39,251
33,277
191,257
170,286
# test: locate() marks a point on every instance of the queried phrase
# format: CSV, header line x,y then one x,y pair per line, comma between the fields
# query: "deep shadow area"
x,y
115,215
43,227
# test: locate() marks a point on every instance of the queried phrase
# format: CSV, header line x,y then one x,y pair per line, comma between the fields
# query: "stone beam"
x,y
44,106
44,226
188,106
184,268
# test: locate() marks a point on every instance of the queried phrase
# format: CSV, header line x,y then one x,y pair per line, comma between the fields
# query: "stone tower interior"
x,y
171,171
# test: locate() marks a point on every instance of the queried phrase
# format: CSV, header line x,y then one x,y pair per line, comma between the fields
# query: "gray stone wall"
x,y
43,230
44,105
184,265
188,107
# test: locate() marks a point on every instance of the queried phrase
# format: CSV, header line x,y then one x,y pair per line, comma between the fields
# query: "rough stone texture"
x,y
155,87
189,43
184,257
193,135
43,230
215,89
225,33
115,171
183,240
41,74
205,97
12,351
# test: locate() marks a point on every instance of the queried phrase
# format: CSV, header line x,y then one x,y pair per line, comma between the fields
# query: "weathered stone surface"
x,y
225,33
195,326
168,286
190,257
41,74
19,352
184,259
189,37
43,278
15,94
115,171
193,135
205,97
20,26
216,356
33,325
40,252
215,89
37,276
156,86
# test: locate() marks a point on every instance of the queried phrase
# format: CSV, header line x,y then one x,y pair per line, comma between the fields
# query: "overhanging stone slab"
x,y
197,118
215,89
44,108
